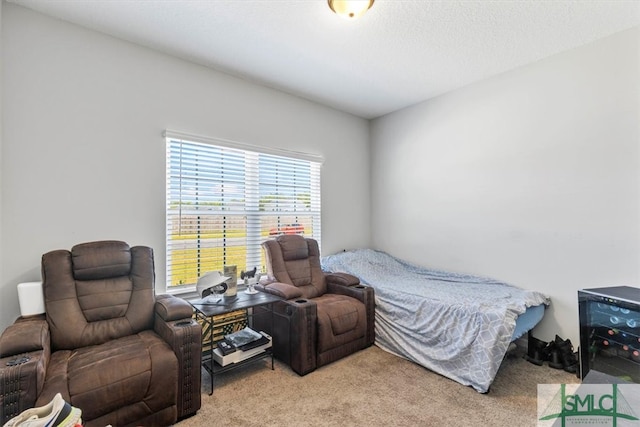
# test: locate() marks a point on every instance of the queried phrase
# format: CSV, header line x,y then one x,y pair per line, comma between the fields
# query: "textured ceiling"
x,y
399,53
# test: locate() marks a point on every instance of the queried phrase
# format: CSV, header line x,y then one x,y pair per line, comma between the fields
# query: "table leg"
x,y
211,373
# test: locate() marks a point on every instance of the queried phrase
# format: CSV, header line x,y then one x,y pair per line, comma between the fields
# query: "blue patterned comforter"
x,y
457,325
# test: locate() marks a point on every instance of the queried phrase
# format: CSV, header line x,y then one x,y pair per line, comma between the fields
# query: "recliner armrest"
x,y
343,279
25,351
360,292
25,335
300,338
171,308
282,290
175,324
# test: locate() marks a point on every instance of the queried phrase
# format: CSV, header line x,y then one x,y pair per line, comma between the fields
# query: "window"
x,y
224,199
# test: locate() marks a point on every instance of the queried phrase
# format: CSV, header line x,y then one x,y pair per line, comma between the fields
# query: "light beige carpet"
x,y
371,388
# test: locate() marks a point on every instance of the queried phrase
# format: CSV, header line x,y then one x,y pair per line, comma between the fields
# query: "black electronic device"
x,y
609,334
225,347
256,343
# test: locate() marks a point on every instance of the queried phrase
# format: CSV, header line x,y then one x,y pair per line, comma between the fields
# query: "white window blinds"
x,y
224,201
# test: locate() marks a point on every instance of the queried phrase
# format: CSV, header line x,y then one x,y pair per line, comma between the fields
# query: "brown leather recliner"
x,y
325,316
106,342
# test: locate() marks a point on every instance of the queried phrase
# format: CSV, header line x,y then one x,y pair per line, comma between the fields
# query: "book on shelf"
x,y
242,337
254,348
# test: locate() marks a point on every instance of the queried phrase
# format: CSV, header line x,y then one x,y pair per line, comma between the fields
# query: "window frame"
x,y
253,210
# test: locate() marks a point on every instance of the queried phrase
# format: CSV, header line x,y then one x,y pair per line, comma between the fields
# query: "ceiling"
x,y
399,53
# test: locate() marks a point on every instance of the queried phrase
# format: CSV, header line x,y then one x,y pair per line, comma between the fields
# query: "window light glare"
x,y
350,9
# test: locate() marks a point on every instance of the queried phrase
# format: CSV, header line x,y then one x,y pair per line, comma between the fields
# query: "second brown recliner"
x,y
323,316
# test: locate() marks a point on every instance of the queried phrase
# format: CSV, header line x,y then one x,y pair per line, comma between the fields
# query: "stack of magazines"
x,y
243,340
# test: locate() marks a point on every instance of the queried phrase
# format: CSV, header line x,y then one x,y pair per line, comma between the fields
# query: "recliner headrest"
x,y
100,260
293,247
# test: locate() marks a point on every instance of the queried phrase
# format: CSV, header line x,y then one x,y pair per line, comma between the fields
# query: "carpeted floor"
x,y
371,388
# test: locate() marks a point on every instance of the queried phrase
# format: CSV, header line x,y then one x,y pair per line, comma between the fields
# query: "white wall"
x,y
3,293
530,177
83,158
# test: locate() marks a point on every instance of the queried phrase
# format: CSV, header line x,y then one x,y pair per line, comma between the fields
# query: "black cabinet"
x,y
609,334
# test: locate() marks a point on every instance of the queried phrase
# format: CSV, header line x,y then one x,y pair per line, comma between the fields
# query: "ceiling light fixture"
x,y
350,9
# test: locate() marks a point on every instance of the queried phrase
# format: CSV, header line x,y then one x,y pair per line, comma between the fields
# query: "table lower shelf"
x,y
215,368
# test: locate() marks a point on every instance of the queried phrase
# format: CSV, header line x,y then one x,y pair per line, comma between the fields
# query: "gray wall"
x,y
83,157
5,295
530,177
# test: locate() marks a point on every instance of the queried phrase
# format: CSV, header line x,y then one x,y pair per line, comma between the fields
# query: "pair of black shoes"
x,y
557,353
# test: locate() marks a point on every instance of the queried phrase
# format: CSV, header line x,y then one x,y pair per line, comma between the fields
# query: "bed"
x,y
457,325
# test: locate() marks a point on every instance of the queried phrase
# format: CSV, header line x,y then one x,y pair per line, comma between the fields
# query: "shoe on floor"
x,y
555,356
565,357
536,353
56,413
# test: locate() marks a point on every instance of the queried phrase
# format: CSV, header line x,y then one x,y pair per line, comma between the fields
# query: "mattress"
x,y
528,320
457,325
